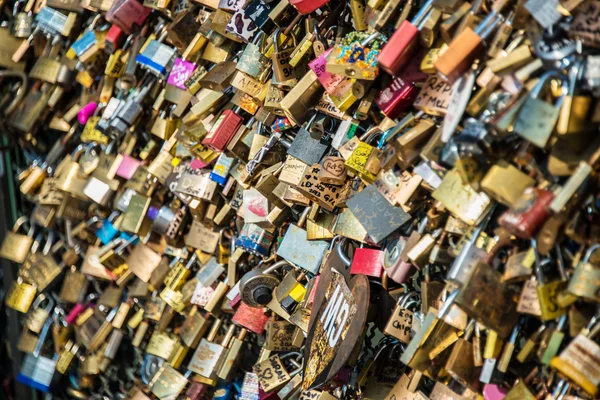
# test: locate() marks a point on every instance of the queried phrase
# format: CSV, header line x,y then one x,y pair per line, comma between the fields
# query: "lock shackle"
x,y
191,261
445,308
258,40
423,11
575,73
560,263
227,233
372,37
549,75
503,243
589,252
79,150
294,354
276,266
42,298
410,303
408,297
37,242
21,91
490,19
22,221
49,240
470,329
515,331
341,244
276,35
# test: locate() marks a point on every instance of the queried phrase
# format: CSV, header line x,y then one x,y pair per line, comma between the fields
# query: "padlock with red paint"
x,y
397,97
253,319
223,130
307,6
529,214
404,42
367,262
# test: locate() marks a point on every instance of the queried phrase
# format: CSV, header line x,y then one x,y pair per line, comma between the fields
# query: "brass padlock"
x,y
16,246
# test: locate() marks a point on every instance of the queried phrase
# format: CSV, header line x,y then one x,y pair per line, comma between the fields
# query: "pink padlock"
x,y
494,392
79,308
328,80
86,112
128,167
367,262
395,268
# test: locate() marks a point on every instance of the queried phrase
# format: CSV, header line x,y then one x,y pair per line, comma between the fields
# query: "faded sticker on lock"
x,y
256,207
202,295
331,326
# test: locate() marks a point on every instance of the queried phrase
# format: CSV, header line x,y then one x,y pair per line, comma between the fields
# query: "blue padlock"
x,y
107,230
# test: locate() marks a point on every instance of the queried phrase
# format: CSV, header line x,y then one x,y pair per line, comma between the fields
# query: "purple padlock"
x,y
180,73
395,268
128,167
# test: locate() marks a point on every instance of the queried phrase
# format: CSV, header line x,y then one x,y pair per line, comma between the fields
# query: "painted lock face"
x,y
338,316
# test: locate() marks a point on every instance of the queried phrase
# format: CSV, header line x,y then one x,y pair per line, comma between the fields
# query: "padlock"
x,y
575,362
282,70
533,106
460,365
575,109
36,370
37,316
501,299
549,291
272,373
400,324
403,44
256,286
583,282
15,246
457,59
367,262
433,336
209,356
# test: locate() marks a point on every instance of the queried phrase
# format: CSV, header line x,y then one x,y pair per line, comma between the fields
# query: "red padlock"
x,y
529,214
253,319
307,6
115,37
403,44
223,130
397,97
367,262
